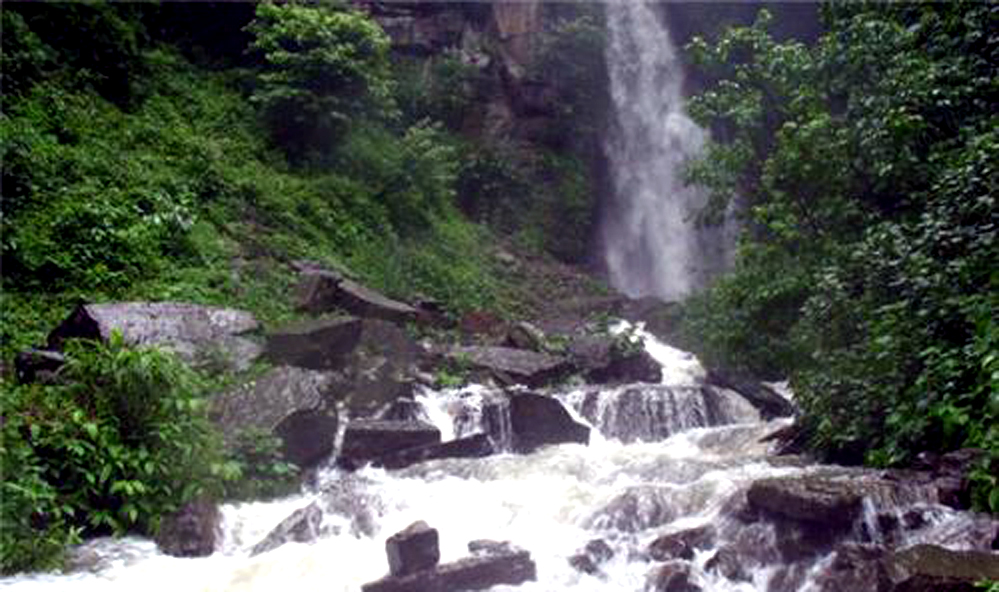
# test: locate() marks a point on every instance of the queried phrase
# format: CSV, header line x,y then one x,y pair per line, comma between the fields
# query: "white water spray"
x,y
652,243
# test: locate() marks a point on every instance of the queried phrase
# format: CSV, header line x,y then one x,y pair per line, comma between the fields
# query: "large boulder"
x,y
302,526
589,559
191,531
365,440
770,403
413,549
511,366
370,362
37,365
681,544
604,359
204,336
488,566
537,420
673,576
321,290
476,446
929,568
291,403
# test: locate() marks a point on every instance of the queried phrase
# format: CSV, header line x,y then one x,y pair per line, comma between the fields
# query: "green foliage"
x,y
326,66
866,165
439,88
256,469
119,441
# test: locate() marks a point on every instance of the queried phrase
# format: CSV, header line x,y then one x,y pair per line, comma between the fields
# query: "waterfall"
x,y
652,243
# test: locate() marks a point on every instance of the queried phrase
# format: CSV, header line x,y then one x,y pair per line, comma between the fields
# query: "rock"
x,y
487,568
511,366
403,410
205,336
635,510
367,439
321,290
476,446
290,403
602,360
681,545
414,549
370,362
592,556
302,526
674,576
770,403
854,567
728,563
928,568
537,420
191,531
524,335
37,365
834,498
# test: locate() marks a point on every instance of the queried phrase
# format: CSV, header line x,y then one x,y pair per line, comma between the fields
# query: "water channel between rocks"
x,y
551,503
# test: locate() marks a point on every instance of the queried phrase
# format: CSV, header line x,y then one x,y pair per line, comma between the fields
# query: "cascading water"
x,y
652,243
620,489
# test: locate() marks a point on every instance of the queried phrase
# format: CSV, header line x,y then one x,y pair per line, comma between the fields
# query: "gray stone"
x,y
191,531
479,572
302,526
524,335
538,420
365,440
476,446
674,576
320,291
682,544
414,549
512,366
929,568
39,365
205,336
290,403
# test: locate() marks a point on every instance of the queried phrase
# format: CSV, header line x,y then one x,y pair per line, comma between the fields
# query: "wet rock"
x,y
367,439
589,559
770,403
635,510
602,361
524,335
371,362
290,403
191,531
681,545
854,567
403,410
476,446
538,420
322,290
675,576
511,366
414,549
37,365
728,562
929,568
205,336
302,526
484,569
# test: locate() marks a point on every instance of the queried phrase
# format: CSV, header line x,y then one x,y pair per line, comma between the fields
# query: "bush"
x,y
325,67
120,441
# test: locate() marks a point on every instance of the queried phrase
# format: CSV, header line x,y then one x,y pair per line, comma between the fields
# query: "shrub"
x,y
121,440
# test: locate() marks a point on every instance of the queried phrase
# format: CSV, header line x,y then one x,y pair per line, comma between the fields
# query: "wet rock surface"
x,y
413,549
302,526
368,439
673,576
491,564
589,559
682,544
322,290
205,336
192,531
290,403
537,420
511,366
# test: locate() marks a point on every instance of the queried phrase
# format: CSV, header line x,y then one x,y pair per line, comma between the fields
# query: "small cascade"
x,y
667,484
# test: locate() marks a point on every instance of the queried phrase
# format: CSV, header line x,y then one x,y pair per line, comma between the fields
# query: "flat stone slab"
x,y
367,439
200,335
476,446
512,365
479,572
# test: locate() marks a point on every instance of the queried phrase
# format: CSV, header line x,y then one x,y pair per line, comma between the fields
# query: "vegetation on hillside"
x,y
867,171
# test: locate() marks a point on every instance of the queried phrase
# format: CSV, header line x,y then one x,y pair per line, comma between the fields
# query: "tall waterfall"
x,y
652,244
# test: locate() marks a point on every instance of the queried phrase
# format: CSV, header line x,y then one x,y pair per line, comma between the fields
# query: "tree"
x,y
324,66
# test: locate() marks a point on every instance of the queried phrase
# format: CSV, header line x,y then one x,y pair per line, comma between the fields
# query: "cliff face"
x,y
498,38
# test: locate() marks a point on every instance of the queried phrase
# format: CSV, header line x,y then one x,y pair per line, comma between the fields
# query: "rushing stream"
x,y
551,502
